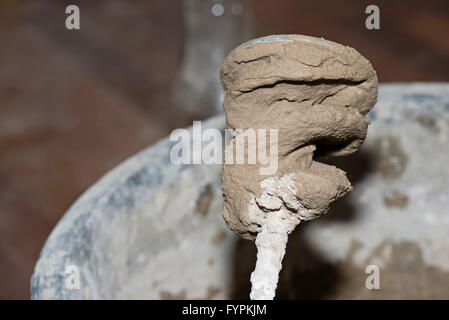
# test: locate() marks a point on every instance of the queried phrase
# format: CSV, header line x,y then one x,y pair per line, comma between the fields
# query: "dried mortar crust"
x,y
316,93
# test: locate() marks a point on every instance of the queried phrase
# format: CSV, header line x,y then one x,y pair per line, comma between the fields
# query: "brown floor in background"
x,y
75,104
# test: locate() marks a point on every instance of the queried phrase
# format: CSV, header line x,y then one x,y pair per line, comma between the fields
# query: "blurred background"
x,y
75,103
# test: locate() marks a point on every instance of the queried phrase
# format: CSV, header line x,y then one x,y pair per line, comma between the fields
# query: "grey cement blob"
x,y
151,229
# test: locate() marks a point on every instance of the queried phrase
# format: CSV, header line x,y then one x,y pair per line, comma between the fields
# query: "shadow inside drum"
x,y
357,166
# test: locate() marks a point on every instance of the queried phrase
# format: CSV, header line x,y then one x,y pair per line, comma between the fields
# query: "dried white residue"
x,y
279,206
271,242
278,191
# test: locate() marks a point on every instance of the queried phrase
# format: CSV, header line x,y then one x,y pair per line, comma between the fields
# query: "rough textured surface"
x,y
271,242
315,93
131,240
